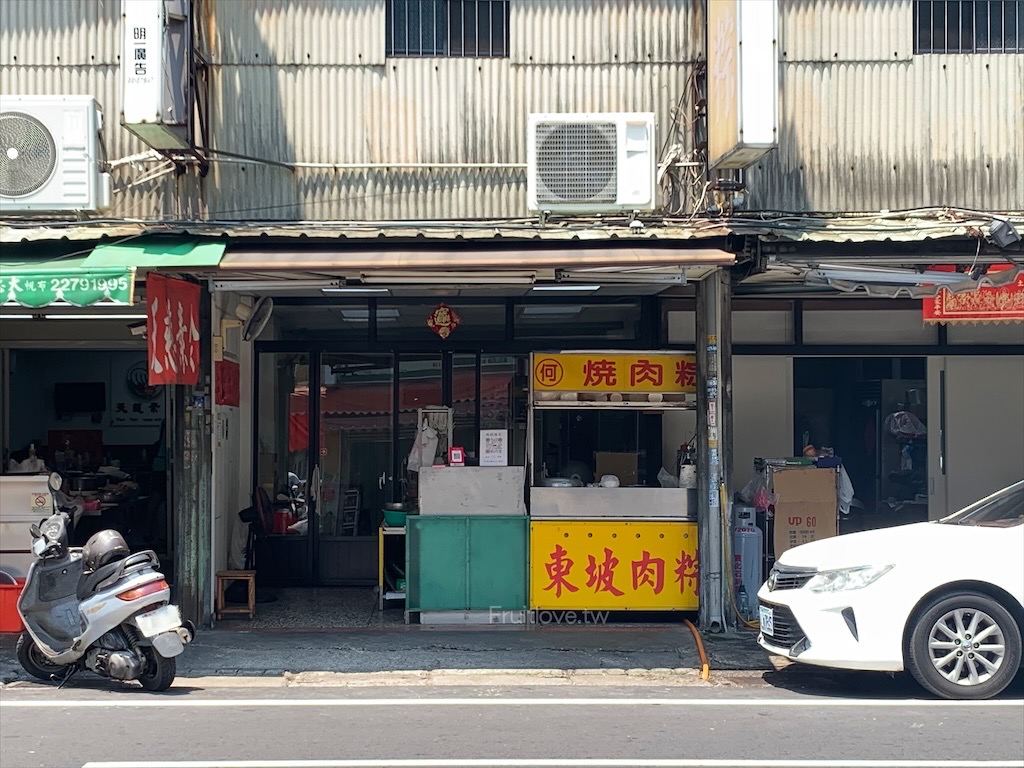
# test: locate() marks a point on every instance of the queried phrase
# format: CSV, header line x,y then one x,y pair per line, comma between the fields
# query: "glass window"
x,y
618,321
408,322
463,28
968,26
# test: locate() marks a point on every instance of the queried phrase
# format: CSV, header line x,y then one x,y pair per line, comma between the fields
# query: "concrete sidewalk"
x,y
415,654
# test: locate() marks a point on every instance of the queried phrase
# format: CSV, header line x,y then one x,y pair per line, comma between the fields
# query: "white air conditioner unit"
x,y
50,154
591,162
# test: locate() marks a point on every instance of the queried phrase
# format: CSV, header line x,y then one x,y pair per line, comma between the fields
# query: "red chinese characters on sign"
x,y
597,372
686,572
649,570
172,330
602,574
686,373
558,571
644,370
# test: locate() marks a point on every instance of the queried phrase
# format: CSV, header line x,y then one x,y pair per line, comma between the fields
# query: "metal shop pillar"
x,y
714,443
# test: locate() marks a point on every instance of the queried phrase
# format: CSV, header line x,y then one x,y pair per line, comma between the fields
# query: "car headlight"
x,y
843,579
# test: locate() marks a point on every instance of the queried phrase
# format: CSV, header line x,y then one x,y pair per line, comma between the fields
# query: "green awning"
x,y
106,275
157,253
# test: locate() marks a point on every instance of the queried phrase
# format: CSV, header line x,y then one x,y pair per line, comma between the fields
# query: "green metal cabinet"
x,y
466,563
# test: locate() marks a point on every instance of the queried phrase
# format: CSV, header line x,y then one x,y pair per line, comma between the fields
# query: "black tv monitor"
x,y
80,397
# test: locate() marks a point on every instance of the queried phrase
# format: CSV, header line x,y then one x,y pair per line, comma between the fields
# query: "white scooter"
x,y
97,607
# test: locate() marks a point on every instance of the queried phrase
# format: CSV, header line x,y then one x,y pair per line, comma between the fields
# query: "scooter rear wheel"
x,y
159,672
33,661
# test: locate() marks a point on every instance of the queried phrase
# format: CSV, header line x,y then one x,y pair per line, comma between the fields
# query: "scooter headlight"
x,y
844,579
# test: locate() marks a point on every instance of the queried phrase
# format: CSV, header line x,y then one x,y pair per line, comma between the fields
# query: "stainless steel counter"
x,y
586,503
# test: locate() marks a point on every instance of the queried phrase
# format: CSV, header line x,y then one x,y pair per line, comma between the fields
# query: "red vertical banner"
x,y
172,330
228,385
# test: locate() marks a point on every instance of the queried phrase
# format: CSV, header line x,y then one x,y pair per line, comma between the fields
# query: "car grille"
x,y
787,630
790,579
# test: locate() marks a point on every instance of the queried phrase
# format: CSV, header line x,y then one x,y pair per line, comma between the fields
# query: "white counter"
x,y
472,491
24,499
622,502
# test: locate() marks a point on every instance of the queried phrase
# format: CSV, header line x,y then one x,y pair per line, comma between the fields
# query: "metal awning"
x,y
158,253
356,261
106,275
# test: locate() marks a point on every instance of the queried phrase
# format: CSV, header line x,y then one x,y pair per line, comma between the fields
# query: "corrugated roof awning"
x,y
106,275
366,260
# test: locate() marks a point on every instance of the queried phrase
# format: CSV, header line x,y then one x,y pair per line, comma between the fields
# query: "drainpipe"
x,y
713,442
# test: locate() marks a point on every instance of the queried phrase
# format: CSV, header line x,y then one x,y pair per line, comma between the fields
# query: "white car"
x,y
944,600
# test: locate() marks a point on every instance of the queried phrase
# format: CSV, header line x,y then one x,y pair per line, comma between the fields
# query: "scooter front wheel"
x,y
159,672
33,661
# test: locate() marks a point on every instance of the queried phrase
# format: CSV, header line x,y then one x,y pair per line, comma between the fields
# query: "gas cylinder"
x,y
748,552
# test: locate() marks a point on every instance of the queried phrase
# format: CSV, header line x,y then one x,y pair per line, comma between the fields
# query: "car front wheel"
x,y
964,646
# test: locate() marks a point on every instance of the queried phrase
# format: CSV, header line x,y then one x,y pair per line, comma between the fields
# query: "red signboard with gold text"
x,y
172,330
615,372
987,304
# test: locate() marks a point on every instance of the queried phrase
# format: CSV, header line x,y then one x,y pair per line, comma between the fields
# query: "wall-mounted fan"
x,y
251,321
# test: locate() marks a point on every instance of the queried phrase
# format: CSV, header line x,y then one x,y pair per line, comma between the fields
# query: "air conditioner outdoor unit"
x,y
50,155
591,162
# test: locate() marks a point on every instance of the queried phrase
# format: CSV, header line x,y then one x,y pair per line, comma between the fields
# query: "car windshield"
x,y
1002,509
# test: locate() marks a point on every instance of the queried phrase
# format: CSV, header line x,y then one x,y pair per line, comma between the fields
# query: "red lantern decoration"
x,y
443,321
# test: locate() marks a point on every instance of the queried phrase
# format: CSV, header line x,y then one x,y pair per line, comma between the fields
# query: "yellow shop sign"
x,y
613,565
629,372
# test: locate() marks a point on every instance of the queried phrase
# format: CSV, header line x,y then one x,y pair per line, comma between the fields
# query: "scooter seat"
x,y
92,581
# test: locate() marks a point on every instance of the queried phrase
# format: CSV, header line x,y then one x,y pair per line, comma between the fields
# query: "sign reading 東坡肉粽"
x,y
617,372
41,287
587,564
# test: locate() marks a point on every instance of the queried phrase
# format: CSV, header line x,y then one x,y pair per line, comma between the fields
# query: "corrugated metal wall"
x,y
863,124
74,48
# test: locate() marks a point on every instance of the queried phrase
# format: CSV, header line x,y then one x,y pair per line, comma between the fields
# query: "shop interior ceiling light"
x,y
566,288
354,290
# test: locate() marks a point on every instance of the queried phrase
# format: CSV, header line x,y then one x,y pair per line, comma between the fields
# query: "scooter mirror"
x,y
34,530
55,481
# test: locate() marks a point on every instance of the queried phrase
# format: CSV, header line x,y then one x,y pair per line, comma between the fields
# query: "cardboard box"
x,y
622,465
806,506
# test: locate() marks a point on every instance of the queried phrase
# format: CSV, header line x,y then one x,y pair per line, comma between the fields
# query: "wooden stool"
x,y
226,577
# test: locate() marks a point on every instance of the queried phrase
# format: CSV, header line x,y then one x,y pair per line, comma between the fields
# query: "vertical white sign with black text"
x,y
142,32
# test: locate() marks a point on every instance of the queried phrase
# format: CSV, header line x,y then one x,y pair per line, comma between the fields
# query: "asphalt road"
x,y
104,726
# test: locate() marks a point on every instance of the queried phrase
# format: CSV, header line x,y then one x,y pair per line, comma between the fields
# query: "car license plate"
x,y
163,619
767,618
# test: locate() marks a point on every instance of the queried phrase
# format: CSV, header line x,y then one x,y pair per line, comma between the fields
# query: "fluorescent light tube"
x,y
352,290
576,288
284,284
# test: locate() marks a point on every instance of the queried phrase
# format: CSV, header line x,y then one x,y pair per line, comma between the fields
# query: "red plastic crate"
x,y
10,619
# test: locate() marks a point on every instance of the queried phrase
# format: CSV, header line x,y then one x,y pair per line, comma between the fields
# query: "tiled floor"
x,y
319,608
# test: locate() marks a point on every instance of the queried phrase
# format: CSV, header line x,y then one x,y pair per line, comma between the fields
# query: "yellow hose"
x,y
728,565
705,668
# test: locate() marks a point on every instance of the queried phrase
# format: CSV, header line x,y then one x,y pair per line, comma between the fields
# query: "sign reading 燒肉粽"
x,y
668,373
41,287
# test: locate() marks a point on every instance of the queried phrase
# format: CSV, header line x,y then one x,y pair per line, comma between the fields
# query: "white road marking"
x,y
140,702
572,763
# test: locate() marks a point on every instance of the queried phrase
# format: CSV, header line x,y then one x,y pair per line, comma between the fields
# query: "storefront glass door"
x,y
283,448
354,464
